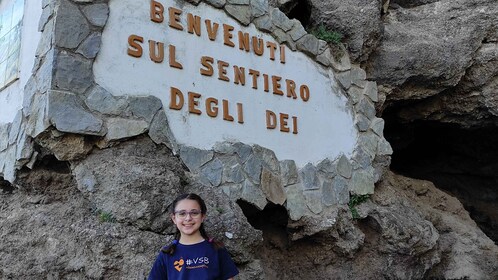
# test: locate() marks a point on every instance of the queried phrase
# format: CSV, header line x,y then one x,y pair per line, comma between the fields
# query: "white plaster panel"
x,y
11,97
325,122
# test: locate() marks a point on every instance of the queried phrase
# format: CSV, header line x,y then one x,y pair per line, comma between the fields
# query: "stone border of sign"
x,y
63,106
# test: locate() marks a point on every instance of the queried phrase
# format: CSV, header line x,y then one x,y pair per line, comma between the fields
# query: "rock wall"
x,y
89,175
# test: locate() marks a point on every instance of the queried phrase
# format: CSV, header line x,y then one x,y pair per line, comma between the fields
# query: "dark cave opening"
x,y
299,10
272,221
460,161
6,186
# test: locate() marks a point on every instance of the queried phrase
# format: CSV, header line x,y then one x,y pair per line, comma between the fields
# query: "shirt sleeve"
x,y
158,271
227,266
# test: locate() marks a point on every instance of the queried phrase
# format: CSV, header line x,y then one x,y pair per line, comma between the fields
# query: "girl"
x,y
192,255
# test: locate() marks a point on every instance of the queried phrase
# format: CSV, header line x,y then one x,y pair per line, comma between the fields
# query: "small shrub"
x,y
328,36
105,217
354,201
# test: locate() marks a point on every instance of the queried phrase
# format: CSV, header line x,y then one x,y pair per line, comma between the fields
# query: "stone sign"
x,y
220,80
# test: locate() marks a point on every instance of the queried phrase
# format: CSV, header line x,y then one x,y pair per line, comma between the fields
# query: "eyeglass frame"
x,y
188,213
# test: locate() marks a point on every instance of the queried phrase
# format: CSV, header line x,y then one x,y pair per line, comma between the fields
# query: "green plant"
x,y
354,201
105,217
220,210
328,36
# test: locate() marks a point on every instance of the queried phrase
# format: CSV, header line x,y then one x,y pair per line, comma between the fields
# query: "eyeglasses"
x,y
194,214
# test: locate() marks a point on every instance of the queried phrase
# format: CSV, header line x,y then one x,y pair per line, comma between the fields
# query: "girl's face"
x,y
188,217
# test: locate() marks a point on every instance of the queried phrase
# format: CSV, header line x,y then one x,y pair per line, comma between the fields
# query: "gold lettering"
x,y
226,113
244,41
291,86
193,103
239,75
212,30
135,49
240,113
157,58
258,45
272,46
193,24
156,11
176,94
276,85
304,92
227,35
174,18
222,71
283,122
172,58
207,62
255,75
211,110
271,120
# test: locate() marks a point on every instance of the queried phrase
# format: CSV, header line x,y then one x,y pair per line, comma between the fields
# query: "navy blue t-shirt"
x,y
199,261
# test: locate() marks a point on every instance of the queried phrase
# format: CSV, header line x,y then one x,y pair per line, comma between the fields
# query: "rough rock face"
x,y
438,55
59,224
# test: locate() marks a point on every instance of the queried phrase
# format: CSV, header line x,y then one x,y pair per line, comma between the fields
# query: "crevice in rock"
x,y
272,221
6,186
300,10
460,161
50,162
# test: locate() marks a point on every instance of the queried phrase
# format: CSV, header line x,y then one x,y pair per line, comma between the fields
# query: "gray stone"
x,y
38,120
377,126
322,46
194,158
44,75
328,195
297,32
263,23
314,201
280,20
280,36
339,58
71,27
254,195
328,167
296,205
3,157
259,7
29,92
234,191
371,91
357,74
217,3
145,107
160,132
369,141
225,148
73,73
100,100
344,167
288,172
241,13
194,2
253,167
366,107
361,159
309,177
97,14
308,44
335,192
4,136
232,170
267,157
14,128
67,114
355,93
9,170
341,190
86,179
238,2
45,16
90,46
25,148
344,79
324,58
243,150
66,147
384,148
120,128
212,172
362,182
272,187
46,39
362,122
